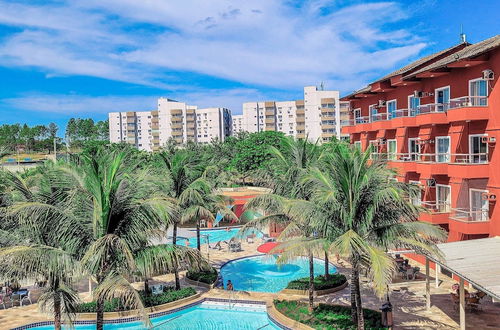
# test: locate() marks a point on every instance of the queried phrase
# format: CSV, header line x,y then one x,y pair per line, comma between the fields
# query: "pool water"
x,y
216,235
206,316
262,274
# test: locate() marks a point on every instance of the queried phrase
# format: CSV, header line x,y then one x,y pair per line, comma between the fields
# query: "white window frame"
x,y
417,158
449,198
449,148
357,114
396,149
487,210
487,89
387,107
445,107
408,103
419,201
370,107
470,146
357,144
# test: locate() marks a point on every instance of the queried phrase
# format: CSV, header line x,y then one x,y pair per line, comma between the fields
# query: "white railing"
x,y
437,206
470,215
459,102
469,101
473,158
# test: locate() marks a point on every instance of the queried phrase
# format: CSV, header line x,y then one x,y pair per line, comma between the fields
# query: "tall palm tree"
x,y
126,209
298,237
34,249
364,213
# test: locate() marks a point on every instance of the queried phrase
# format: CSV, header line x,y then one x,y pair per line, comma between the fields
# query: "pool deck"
x,y
408,299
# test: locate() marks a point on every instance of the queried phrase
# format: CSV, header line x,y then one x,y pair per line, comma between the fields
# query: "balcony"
x,y
438,212
327,126
327,109
300,111
176,112
468,108
326,118
176,125
270,128
470,221
177,133
469,166
270,120
176,119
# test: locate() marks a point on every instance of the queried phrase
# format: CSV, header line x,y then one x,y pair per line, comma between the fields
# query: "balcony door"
x,y
357,115
372,111
442,149
478,92
392,149
391,109
443,198
479,207
478,150
442,98
414,148
413,104
416,198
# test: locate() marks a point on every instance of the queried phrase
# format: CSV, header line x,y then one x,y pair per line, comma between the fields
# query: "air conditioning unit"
x,y
420,94
488,74
488,197
431,182
488,139
381,103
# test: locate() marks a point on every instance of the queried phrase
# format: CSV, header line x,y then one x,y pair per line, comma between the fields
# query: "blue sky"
x,y
84,58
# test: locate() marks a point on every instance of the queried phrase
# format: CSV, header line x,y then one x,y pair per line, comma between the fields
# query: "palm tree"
x,y
298,237
34,249
364,213
126,209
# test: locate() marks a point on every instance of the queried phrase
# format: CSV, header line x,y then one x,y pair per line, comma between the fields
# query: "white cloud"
x,y
260,43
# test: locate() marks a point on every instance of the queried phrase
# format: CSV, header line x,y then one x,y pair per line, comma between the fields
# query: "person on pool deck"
x,y
227,228
229,286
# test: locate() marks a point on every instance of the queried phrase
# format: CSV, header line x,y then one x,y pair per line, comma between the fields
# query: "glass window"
x,y
478,90
391,149
391,109
443,149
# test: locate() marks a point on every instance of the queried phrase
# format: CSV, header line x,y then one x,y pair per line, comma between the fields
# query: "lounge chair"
x,y
15,299
3,298
266,238
26,298
250,238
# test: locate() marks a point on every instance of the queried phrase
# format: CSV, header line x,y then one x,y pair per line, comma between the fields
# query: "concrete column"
x,y
462,304
427,285
438,269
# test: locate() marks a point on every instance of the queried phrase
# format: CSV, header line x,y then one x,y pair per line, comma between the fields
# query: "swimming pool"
x,y
262,274
208,315
216,235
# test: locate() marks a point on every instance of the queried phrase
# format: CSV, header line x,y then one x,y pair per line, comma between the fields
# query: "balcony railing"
x,y
473,158
436,206
459,102
470,214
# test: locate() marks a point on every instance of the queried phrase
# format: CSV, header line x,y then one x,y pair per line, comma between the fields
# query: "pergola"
x,y
475,261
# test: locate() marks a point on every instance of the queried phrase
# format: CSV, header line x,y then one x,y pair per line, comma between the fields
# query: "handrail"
x,y
436,207
472,158
458,102
471,214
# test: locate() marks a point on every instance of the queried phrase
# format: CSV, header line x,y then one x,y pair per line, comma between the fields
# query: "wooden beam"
x,y
427,285
462,304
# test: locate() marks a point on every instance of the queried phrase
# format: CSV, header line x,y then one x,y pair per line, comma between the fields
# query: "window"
x,y
372,110
478,149
357,144
391,109
391,149
479,207
414,149
416,198
357,115
443,198
478,92
442,149
442,96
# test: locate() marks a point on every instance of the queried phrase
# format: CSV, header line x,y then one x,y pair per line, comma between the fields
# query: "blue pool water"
x,y
262,274
216,235
206,316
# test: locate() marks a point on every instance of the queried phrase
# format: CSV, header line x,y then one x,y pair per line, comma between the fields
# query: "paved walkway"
x,y
408,299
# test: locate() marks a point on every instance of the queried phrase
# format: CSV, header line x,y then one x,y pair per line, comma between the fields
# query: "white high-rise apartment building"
x,y
318,116
149,130
238,124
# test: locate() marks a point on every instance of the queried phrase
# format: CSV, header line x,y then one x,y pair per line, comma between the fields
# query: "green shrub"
x,y
204,276
327,317
115,305
320,282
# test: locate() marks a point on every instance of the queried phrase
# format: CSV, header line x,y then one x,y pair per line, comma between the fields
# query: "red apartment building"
x,y
437,121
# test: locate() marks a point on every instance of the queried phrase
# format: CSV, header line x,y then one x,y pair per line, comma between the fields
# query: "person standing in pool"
x,y
186,242
229,286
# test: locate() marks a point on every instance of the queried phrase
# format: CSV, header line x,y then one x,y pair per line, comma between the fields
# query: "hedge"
x,y
115,305
320,282
327,317
207,276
